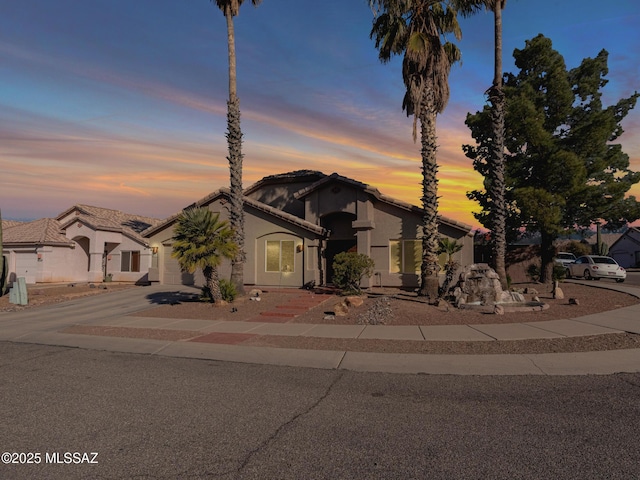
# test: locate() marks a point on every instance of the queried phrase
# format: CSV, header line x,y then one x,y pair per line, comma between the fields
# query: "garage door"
x,y
172,275
26,266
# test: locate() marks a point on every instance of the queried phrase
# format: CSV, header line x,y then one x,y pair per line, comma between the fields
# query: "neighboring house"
x,y
82,244
626,249
295,224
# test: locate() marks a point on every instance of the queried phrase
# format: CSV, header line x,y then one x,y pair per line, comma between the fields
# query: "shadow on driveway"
x,y
172,297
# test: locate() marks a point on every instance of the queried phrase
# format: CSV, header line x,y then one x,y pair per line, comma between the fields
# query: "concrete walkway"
x,y
214,340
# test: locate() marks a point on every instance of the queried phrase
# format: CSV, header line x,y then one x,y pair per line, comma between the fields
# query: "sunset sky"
x,y
122,103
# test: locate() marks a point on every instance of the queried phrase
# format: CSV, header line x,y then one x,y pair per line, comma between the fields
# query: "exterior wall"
x,y
259,227
375,225
94,246
626,251
47,264
114,261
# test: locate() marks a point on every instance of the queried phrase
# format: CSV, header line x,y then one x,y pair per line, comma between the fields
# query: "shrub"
x,y
228,290
348,270
533,272
577,248
559,272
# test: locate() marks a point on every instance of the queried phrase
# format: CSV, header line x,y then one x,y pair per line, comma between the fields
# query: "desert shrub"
x,y
577,248
533,272
228,290
559,272
349,268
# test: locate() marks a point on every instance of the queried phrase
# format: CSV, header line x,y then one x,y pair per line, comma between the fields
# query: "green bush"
x,y
559,272
228,290
348,270
577,248
533,272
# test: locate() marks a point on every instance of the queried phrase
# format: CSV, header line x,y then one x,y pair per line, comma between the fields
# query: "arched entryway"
x,y
341,239
81,259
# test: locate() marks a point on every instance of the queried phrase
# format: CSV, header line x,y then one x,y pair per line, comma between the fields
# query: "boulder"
x,y
340,309
353,301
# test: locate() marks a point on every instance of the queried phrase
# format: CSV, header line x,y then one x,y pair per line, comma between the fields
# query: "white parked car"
x,y
563,258
596,267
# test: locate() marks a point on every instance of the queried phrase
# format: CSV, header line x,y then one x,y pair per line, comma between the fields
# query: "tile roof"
x,y
10,223
376,194
45,231
108,219
248,201
288,177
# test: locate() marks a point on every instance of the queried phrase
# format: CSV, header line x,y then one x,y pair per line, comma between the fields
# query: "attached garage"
x,y
26,266
172,274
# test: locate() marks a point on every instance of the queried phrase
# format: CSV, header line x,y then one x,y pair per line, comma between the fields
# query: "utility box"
x,y
18,292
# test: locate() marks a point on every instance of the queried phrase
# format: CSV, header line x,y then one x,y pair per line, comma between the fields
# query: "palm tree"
x,y
201,240
4,268
231,8
495,180
417,28
450,248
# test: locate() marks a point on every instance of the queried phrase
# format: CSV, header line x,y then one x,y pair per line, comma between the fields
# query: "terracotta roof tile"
x,y
45,231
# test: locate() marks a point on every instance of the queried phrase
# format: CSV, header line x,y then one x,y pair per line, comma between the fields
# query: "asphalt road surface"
x,y
164,418
633,278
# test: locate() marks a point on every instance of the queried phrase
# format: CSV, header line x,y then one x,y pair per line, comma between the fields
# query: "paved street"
x,y
159,417
633,278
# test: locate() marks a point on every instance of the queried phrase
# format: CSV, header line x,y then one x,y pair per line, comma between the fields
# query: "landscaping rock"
x,y
558,293
353,301
340,309
498,309
574,301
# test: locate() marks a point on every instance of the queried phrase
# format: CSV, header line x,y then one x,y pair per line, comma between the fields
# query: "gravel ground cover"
x,y
388,307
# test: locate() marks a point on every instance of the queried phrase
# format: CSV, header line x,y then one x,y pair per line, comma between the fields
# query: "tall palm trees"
x,y
417,28
201,240
231,8
495,181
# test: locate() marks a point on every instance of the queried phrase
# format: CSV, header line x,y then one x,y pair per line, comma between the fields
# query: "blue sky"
x,y
122,104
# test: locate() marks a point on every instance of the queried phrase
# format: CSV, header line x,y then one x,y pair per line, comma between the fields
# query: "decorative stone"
x,y
340,309
574,301
255,292
558,293
498,309
329,317
535,299
531,291
443,305
353,301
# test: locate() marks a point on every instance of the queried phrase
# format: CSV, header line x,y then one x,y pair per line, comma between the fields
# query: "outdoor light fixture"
x,y
154,250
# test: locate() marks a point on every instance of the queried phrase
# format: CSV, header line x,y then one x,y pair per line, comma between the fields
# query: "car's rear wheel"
x,y
587,275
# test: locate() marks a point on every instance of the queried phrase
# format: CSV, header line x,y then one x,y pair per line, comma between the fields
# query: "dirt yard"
x,y
393,307
390,307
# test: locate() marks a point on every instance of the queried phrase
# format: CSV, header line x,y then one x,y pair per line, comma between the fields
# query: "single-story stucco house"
x,y
295,224
82,244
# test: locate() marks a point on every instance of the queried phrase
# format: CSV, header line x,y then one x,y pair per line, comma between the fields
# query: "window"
x,y
405,256
130,262
280,256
